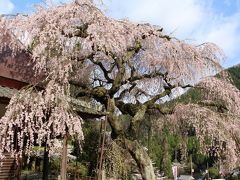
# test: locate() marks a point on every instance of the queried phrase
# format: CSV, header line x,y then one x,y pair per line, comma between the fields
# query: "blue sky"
x,y
196,21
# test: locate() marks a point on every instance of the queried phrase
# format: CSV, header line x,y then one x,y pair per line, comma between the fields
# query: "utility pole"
x,y
221,169
191,165
175,160
207,172
102,141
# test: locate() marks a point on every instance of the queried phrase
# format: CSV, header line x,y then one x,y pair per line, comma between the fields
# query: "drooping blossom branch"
x,y
36,117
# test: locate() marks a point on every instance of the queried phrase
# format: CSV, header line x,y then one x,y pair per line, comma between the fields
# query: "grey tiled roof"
x,y
7,92
78,105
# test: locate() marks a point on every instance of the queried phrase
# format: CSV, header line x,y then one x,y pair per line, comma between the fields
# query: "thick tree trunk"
x,y
142,159
136,150
113,119
64,160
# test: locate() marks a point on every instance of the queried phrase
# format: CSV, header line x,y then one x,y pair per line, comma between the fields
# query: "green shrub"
x,y
214,172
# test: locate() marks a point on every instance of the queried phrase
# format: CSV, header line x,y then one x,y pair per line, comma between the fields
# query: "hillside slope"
x,y
235,75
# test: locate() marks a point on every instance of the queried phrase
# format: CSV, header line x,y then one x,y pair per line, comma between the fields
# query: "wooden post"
x,y
64,160
45,163
19,168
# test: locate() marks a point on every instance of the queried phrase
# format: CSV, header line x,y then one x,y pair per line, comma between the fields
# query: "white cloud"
x,y
181,17
6,6
187,19
225,33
